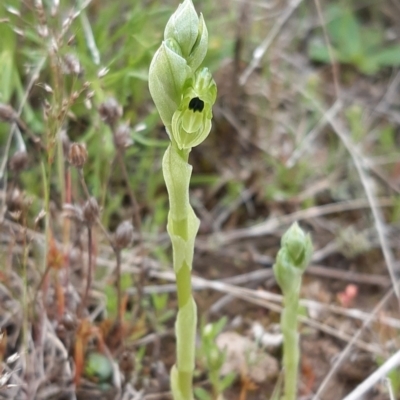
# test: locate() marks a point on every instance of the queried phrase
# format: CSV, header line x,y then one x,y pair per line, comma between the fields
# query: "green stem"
x,y
291,353
182,228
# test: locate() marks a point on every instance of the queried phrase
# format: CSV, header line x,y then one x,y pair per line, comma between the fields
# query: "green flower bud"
x,y
167,76
287,276
191,122
292,259
215,358
196,56
298,245
190,33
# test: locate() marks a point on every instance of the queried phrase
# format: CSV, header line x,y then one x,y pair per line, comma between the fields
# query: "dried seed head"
x,y
15,203
74,96
103,72
7,113
91,211
122,136
71,65
73,212
110,111
77,155
124,235
19,161
43,31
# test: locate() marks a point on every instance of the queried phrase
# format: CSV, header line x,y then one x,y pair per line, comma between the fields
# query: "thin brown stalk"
x,y
118,285
86,190
83,183
89,273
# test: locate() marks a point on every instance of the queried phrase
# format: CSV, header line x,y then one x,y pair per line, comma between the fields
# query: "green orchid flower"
x,y
191,122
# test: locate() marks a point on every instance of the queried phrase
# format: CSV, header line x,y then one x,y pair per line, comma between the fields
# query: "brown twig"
x,y
89,273
98,221
118,285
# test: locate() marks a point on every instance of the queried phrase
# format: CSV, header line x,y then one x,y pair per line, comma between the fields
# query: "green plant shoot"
x,y
292,260
184,95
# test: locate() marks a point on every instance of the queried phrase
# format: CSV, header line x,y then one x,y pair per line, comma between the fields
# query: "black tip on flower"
x,y
196,104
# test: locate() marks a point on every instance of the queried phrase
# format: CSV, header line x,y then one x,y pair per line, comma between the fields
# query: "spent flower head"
x,y
124,235
122,136
77,155
110,111
90,211
19,160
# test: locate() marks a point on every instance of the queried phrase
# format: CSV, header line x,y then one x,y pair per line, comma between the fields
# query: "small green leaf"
x,y
202,394
159,300
388,57
345,31
386,138
227,381
318,52
219,325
